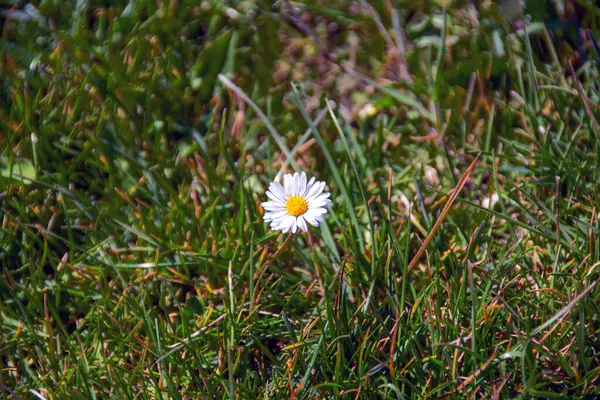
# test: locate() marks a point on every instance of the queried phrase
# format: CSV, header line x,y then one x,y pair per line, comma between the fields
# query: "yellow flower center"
x,y
296,205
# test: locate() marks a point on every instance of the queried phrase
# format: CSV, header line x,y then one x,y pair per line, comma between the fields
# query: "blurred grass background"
x,y
137,139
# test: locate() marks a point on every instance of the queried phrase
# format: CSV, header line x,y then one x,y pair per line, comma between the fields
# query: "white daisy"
x,y
295,203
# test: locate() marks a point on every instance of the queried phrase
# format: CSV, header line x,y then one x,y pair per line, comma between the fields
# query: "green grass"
x,y
137,140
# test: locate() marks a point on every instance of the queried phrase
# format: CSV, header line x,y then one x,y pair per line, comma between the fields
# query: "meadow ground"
x,y
459,257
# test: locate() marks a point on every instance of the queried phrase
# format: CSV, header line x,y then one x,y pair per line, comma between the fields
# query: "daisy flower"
x,y
295,203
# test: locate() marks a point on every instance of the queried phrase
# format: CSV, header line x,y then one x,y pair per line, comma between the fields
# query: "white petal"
x,y
290,221
273,205
302,224
295,183
283,220
323,196
274,216
315,190
277,191
319,201
319,204
274,197
308,186
311,220
286,223
295,225
315,212
275,225
314,215
274,221
275,210
288,185
302,184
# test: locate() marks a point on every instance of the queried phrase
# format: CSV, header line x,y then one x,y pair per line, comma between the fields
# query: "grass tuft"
x,y
459,257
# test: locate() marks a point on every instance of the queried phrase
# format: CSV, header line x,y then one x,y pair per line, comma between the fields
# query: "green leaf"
x,y
192,306
20,53
20,170
211,63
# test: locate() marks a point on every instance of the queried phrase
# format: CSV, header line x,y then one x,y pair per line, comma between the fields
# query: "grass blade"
x,y
438,223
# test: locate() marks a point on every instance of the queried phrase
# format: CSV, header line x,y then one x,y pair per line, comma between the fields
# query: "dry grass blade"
x,y
276,136
177,346
584,98
565,310
470,379
439,221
